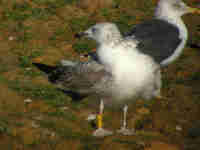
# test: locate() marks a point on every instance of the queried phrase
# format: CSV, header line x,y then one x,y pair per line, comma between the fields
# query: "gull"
x,y
124,74
165,35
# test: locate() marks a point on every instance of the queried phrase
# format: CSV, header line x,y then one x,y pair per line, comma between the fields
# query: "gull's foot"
x,y
126,131
100,132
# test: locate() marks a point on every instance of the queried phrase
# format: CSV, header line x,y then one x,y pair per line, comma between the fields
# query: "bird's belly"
x,y
132,72
129,83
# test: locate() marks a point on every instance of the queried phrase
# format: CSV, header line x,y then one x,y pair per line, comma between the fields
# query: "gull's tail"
x,y
75,77
45,68
54,73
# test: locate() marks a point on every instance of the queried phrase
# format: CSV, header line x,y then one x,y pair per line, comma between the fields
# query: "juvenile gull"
x,y
123,75
164,37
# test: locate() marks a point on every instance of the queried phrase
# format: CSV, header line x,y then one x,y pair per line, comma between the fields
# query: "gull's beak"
x,y
81,34
194,10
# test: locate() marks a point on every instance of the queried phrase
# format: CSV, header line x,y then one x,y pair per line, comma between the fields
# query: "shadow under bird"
x,y
125,68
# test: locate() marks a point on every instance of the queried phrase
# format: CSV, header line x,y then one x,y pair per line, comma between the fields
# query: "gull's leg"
x,y
123,130
100,132
124,117
158,85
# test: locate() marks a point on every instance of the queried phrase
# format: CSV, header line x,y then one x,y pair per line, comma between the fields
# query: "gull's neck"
x,y
166,13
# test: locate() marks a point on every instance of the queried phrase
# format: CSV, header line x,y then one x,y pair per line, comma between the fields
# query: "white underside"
x,y
177,21
133,72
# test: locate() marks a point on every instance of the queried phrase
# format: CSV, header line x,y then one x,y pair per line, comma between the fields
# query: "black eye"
x,y
177,5
94,30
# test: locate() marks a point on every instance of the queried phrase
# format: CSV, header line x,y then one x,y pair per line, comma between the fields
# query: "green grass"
x,y
91,146
59,113
25,56
3,79
24,11
19,124
123,22
90,143
105,12
24,61
49,124
79,24
166,82
61,34
56,3
195,76
42,13
48,93
18,12
3,67
4,126
37,52
148,136
63,131
130,144
125,141
82,47
31,73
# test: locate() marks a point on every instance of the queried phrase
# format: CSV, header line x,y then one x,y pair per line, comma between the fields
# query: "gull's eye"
x,y
94,30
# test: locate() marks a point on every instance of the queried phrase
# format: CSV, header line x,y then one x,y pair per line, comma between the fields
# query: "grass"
x,y
59,113
4,126
82,47
91,146
24,61
57,3
44,29
80,23
105,12
42,13
48,93
59,35
62,130
3,67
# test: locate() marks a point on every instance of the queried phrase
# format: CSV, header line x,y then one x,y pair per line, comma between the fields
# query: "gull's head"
x,y
174,8
102,33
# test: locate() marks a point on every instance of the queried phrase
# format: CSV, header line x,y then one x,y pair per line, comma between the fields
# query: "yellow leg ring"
x,y
99,121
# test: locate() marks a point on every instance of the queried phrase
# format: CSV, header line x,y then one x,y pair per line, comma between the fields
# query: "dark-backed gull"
x,y
164,37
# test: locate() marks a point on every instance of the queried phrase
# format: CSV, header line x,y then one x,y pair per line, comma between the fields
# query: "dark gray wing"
x,y
80,77
157,38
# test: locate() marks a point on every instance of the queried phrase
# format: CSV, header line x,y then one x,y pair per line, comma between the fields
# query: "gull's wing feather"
x,y
157,38
81,77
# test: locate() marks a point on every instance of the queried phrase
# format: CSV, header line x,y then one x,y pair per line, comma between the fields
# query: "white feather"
x,y
134,73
